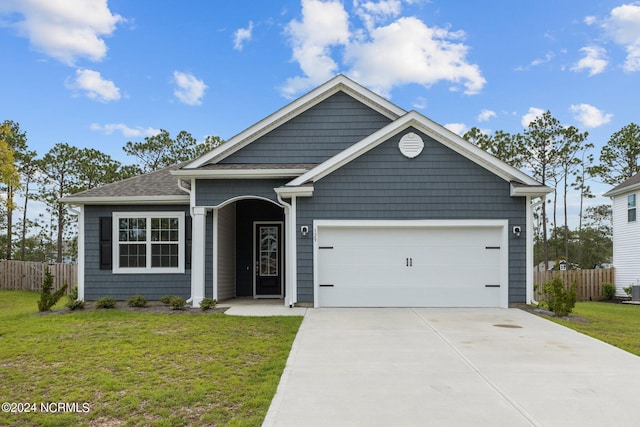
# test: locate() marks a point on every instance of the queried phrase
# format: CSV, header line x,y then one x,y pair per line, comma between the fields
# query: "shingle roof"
x,y
627,185
152,184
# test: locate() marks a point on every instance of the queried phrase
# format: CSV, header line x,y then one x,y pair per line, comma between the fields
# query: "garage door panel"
x,y
435,267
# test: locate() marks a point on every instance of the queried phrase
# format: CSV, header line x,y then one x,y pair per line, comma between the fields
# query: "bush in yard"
x,y
74,303
48,299
627,290
561,301
137,301
608,291
167,299
207,304
106,302
177,303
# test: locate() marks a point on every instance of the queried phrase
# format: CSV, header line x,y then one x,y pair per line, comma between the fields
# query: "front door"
x,y
268,260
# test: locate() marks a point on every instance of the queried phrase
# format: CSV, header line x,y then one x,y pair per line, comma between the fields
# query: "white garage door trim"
x,y
502,225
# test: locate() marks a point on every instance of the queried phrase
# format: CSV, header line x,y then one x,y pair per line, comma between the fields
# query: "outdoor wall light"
x,y
304,230
517,230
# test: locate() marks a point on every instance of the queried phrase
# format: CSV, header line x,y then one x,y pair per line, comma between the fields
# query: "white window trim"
x,y
634,207
147,270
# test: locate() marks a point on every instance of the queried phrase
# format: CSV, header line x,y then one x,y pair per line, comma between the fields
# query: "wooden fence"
x,y
28,275
588,282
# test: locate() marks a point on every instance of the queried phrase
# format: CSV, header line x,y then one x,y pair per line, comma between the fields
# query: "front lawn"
x,y
116,367
617,324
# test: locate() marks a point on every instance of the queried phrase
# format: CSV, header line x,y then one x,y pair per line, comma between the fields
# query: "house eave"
x,y
127,200
301,191
628,189
238,174
518,190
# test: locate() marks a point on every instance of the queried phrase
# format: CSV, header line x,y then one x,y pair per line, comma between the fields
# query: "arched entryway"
x,y
249,250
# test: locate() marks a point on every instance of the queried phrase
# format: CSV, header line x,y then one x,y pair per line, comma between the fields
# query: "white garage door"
x,y
403,265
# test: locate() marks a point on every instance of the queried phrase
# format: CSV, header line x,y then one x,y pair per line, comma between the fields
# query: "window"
x,y
631,208
148,242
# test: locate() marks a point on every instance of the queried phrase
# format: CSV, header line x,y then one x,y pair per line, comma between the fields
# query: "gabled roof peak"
x,y
339,83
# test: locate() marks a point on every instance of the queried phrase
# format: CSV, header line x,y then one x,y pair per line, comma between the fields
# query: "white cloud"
x,y
408,51
189,90
65,30
486,115
590,20
381,55
110,128
373,13
457,128
533,114
623,26
590,116
94,86
323,25
595,60
242,35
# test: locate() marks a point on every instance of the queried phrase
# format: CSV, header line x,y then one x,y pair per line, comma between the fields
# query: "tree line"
x,y
558,156
561,157
66,170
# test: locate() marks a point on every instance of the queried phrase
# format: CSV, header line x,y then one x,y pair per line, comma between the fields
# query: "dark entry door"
x,y
268,259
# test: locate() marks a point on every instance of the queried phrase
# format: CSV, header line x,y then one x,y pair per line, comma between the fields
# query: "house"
x,y
340,198
626,233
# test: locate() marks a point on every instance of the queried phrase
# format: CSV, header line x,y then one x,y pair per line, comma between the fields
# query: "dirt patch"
x,y
151,307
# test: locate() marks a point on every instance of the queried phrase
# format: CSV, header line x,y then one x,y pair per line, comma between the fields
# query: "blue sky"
x,y
97,74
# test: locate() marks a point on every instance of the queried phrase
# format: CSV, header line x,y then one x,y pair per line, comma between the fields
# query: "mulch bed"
x,y
151,307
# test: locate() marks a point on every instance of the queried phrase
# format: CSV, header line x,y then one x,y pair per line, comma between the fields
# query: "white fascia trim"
x,y
533,191
296,107
288,192
502,224
629,189
127,200
430,128
239,173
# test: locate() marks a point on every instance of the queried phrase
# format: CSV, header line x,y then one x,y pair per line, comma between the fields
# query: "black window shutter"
x,y
106,262
187,242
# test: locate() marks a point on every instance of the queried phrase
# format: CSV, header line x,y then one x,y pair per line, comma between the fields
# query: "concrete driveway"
x,y
451,367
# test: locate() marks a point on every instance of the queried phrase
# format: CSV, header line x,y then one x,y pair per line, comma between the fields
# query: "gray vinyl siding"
x,y
438,184
101,283
214,192
316,134
226,252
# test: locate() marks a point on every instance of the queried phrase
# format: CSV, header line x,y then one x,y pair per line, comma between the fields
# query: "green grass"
x,y
616,324
133,368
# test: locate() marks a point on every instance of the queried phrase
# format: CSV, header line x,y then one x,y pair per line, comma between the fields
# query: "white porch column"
x,y
292,291
529,251
198,239
81,261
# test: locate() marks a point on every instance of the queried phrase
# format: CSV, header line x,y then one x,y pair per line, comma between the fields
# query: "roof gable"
x,y
630,184
435,131
339,83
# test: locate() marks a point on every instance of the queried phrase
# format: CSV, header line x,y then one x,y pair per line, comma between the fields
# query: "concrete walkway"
x,y
259,307
451,367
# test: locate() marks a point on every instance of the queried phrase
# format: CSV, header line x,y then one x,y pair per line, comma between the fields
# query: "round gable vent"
x,y
411,145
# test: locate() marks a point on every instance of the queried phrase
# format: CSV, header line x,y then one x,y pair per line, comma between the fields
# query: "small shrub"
x,y
627,290
167,299
560,300
75,304
137,301
177,303
48,299
106,302
608,291
73,293
207,304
